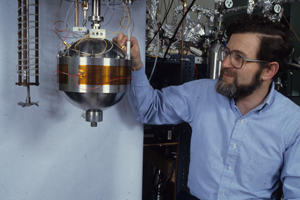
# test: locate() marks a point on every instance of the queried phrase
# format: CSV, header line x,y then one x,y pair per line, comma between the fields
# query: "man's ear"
x,y
270,71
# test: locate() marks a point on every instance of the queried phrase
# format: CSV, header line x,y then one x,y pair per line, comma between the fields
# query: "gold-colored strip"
x,y
103,75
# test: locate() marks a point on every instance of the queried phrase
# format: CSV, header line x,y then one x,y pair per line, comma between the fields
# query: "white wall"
x,y
49,152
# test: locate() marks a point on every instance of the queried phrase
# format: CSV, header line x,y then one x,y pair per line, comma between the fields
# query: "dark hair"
x,y
275,43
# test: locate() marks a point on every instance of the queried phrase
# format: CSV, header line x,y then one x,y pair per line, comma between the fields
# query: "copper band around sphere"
x,y
96,75
103,75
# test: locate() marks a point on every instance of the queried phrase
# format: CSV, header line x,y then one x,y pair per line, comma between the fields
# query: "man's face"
x,y
239,83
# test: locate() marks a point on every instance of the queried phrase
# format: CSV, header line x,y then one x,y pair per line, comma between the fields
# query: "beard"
x,y
236,90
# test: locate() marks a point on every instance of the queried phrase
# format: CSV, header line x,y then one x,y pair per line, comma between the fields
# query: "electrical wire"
x,y
88,54
156,58
176,30
294,65
165,6
291,28
160,25
131,19
112,12
125,18
63,31
153,69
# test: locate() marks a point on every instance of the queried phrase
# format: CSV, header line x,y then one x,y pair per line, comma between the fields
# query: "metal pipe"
x,y
27,60
95,18
182,42
213,60
76,12
84,6
96,8
28,46
19,43
25,42
37,42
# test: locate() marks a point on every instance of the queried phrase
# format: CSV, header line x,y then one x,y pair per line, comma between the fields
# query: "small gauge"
x,y
228,3
277,8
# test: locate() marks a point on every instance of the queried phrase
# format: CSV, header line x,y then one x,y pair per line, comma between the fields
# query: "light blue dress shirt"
x,y
233,156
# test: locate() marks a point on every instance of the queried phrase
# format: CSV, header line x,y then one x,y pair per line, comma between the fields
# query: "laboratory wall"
x,y
49,151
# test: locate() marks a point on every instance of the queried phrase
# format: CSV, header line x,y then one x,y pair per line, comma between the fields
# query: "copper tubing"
x,y
76,13
182,43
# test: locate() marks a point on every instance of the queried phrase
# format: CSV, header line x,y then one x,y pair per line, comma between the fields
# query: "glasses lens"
x,y
236,59
224,53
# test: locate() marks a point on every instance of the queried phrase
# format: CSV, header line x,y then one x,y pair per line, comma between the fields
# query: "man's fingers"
x,y
122,39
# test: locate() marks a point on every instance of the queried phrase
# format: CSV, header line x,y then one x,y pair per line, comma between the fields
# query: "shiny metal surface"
x,y
69,74
93,116
87,101
94,74
94,47
214,60
28,48
96,18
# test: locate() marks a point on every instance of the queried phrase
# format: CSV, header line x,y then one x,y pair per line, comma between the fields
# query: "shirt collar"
x,y
266,103
268,100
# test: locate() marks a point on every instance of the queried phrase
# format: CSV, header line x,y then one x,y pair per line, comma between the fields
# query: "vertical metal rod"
x,y
177,161
76,12
28,100
27,54
182,42
25,40
19,42
28,46
37,42
96,9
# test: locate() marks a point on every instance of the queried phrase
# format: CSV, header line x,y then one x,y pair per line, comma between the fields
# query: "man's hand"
x,y
121,40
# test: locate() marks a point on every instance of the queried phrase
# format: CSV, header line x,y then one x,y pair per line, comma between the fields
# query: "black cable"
x,y
165,5
176,30
160,25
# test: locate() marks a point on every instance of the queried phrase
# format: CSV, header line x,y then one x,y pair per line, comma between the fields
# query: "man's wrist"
x,y
136,65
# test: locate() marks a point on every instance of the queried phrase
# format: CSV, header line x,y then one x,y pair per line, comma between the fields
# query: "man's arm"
x,y
171,105
168,106
290,175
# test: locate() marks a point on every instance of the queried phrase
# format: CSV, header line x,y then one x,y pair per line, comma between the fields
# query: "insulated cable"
x,y
176,30
160,25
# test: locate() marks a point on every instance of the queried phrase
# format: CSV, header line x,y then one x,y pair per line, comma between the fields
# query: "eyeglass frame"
x,y
244,59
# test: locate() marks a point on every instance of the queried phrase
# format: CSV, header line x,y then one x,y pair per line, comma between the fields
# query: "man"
x,y
245,135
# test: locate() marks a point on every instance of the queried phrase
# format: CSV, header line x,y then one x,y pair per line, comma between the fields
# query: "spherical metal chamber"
x,y
93,73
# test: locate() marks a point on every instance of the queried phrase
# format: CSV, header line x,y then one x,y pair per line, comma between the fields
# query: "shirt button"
x,y
234,146
223,192
242,121
229,168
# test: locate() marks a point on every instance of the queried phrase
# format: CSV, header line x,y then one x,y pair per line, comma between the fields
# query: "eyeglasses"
x,y
236,58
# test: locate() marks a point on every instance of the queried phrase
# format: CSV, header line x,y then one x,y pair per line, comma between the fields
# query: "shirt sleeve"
x,y
290,175
167,106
